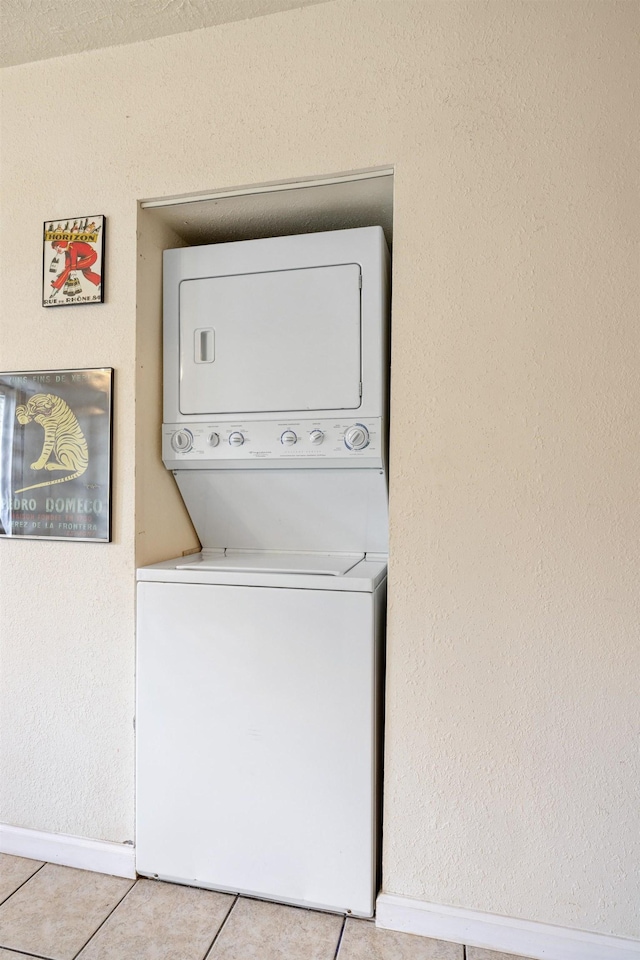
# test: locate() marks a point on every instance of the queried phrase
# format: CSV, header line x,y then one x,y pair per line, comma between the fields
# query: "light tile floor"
x,y
58,913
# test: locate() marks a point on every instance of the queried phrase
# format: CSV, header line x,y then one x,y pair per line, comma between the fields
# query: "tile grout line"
x,y
8,897
36,956
339,943
101,925
221,927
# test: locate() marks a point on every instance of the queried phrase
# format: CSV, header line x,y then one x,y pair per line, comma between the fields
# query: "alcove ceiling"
x,y
43,29
357,200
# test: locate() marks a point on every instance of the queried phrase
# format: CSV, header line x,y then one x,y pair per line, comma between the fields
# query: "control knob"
x,y
316,437
356,437
213,439
236,439
182,441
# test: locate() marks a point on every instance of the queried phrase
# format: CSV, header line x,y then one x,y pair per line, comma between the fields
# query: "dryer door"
x,y
281,341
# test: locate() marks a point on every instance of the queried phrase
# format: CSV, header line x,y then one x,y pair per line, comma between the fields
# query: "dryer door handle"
x,y
204,345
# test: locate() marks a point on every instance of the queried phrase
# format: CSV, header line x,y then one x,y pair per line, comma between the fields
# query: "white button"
x,y
356,437
182,441
236,440
213,439
288,438
316,436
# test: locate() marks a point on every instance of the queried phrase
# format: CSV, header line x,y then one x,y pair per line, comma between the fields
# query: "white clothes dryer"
x,y
260,660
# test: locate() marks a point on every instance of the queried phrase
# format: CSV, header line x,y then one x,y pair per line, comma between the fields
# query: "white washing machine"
x,y
260,659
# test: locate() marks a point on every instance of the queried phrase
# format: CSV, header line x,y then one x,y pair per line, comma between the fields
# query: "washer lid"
x,y
264,561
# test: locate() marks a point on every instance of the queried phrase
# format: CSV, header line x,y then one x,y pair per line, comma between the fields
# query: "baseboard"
x,y
539,941
101,856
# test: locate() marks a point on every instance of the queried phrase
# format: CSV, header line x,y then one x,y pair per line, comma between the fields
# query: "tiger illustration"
x,y
63,437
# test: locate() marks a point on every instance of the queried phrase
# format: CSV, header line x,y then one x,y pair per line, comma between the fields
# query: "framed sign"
x,y
55,454
73,261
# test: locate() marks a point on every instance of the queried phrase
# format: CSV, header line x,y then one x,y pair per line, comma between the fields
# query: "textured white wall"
x,y
163,526
512,768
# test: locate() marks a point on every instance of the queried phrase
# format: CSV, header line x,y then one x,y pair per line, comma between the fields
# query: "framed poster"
x,y
55,454
73,261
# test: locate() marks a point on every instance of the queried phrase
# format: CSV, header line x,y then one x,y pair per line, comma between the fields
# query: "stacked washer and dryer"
x,y
260,659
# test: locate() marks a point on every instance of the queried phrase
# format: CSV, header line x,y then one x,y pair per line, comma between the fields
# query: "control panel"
x,y
271,442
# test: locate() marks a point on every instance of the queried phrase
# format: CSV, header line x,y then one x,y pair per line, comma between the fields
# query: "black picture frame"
x,y
73,261
56,438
